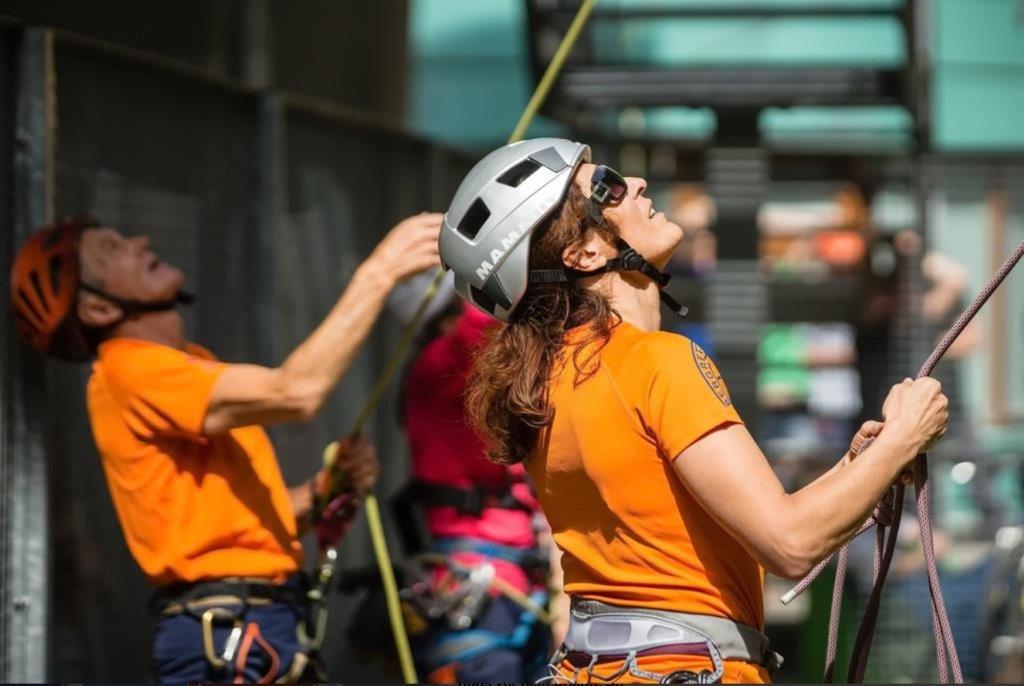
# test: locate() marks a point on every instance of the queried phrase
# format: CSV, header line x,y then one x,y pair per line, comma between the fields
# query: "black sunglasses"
x,y
607,186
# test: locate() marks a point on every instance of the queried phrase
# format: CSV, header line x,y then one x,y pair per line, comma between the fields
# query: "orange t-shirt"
x,y
191,506
630,532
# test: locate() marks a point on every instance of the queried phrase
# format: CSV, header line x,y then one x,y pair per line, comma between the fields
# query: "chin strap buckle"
x,y
627,260
630,259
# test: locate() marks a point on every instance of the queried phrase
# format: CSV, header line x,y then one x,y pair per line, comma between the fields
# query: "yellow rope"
x,y
548,80
387,575
373,518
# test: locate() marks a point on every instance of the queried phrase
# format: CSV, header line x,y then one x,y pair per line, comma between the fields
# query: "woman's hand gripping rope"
x,y
945,647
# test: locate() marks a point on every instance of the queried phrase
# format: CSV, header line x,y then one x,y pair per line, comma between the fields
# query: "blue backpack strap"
x,y
462,646
518,556
521,634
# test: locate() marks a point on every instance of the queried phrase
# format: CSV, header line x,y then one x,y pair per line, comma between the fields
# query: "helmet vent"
x,y
519,173
474,219
23,297
38,288
482,299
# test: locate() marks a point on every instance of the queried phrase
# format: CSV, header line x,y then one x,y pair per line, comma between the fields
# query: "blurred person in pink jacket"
x,y
475,606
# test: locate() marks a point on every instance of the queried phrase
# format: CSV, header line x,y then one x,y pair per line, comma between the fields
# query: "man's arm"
x,y
250,394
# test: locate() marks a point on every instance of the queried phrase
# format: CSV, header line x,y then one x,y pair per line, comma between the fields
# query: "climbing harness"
x,y
456,597
451,596
328,556
464,645
886,519
446,592
224,603
434,597
600,633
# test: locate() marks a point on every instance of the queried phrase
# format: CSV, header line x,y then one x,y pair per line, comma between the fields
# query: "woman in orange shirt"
x,y
665,510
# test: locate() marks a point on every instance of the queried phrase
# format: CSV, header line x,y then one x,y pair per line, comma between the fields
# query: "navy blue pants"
x,y
178,645
505,664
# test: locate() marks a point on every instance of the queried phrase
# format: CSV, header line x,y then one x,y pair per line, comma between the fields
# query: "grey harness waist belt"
x,y
597,628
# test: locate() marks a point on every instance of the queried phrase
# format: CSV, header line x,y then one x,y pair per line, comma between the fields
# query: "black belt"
x,y
470,501
179,596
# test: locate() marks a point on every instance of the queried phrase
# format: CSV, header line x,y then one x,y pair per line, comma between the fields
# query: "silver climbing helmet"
x,y
485,237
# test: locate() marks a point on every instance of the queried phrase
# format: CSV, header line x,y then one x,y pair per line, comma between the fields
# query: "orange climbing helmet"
x,y
45,279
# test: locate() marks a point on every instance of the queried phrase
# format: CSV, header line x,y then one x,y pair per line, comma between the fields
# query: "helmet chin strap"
x,y
130,307
629,260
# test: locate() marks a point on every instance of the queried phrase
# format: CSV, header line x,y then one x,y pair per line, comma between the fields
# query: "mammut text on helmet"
x,y
510,240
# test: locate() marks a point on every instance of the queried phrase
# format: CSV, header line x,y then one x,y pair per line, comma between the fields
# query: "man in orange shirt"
x,y
194,479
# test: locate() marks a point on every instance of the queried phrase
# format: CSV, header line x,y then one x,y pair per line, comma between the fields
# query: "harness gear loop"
x,y
252,635
377,392
945,646
685,676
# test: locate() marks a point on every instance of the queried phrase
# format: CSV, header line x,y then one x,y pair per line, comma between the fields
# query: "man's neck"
x,y
635,297
166,327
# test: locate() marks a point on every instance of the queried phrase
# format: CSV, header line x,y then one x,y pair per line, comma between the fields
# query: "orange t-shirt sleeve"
x,y
164,391
686,395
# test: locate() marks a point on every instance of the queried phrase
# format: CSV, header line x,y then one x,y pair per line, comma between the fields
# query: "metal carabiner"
x,y
685,676
222,661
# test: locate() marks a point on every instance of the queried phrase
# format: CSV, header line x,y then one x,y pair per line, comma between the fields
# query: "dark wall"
x,y
200,32
350,52
354,53
8,79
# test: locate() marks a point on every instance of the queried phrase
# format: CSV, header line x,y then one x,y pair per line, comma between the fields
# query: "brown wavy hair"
x,y
507,396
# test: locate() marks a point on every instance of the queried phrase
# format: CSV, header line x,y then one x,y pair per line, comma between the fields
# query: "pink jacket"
x,y
446,450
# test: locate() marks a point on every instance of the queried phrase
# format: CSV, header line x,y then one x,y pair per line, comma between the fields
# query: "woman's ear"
x,y
593,252
97,312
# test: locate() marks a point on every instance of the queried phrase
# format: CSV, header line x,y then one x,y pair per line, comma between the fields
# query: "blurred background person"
x,y
478,581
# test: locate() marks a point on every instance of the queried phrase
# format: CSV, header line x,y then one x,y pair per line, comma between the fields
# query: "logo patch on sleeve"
x,y
710,373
